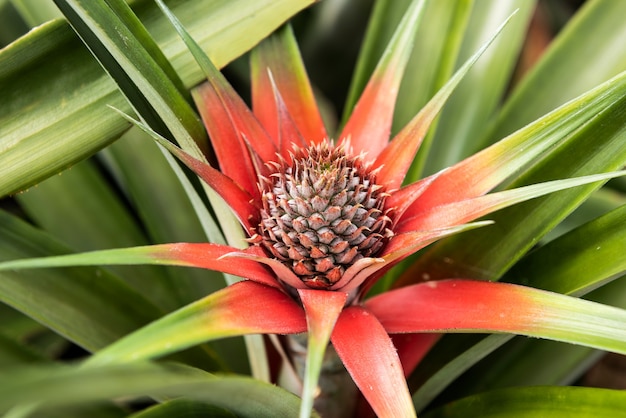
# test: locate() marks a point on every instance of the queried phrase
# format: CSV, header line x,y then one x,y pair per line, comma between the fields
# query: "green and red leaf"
x,y
243,308
369,127
202,255
479,306
322,309
371,359
396,159
278,55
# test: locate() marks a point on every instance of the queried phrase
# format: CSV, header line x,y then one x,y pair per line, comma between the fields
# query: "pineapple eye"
x,y
322,213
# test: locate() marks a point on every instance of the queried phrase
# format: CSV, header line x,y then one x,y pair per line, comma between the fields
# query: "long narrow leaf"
x,y
90,307
565,402
67,385
478,306
243,308
67,112
573,64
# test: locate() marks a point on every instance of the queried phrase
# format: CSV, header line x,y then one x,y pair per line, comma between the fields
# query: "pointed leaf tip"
x,y
369,126
279,55
322,308
243,308
371,359
480,306
395,160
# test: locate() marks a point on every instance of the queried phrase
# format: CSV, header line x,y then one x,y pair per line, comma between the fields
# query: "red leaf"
x,y
251,308
238,199
368,128
210,256
412,348
279,54
394,161
401,200
288,133
456,304
228,120
371,359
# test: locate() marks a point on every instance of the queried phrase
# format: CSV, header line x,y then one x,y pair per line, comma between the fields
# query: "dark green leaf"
x,y
88,306
55,94
70,385
180,408
566,402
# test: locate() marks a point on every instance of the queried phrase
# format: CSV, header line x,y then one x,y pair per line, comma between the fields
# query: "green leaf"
x,y
88,306
71,385
123,47
67,111
582,242
83,211
570,263
570,402
471,106
597,146
182,408
585,54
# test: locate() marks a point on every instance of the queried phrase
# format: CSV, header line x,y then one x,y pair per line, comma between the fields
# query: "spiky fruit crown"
x,y
322,212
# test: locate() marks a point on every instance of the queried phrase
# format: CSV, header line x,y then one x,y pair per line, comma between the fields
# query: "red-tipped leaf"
x,y
395,160
467,210
371,359
239,200
368,128
279,54
322,308
243,308
479,306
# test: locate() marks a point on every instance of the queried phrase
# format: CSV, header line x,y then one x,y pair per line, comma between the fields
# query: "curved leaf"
x,y
479,306
565,402
585,53
68,385
68,112
243,308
